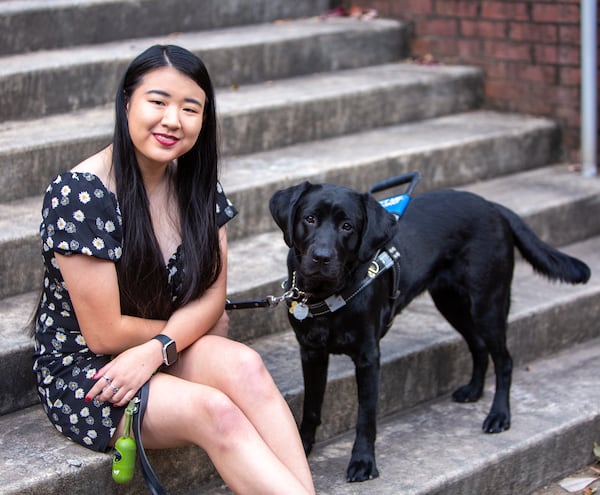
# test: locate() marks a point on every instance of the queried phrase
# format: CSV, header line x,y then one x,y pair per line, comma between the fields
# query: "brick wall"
x,y
529,50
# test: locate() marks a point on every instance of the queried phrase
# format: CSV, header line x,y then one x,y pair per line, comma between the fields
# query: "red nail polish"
x,y
88,399
95,377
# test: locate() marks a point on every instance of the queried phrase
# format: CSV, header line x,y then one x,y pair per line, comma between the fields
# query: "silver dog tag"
x,y
300,311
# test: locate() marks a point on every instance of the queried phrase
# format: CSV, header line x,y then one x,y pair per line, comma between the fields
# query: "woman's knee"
x,y
250,370
225,421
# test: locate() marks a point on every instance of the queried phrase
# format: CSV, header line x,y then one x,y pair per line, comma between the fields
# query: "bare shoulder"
x,y
99,164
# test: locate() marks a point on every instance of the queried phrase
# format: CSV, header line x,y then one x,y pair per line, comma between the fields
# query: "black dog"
x,y
456,245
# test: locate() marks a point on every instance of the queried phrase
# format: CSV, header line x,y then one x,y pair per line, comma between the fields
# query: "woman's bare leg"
x,y
240,374
224,400
180,412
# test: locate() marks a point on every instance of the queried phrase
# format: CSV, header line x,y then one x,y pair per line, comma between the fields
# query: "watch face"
x,y
171,353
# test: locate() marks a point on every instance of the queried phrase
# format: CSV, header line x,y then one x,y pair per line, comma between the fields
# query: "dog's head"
x,y
331,229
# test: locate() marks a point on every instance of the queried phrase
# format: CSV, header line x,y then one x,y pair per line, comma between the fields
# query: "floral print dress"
x,y
80,216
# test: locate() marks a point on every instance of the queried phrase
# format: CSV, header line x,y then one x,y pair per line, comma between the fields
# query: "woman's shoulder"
x,y
99,166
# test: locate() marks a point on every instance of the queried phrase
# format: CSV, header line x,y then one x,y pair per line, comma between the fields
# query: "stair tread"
x,y
122,51
439,435
437,448
233,102
527,193
94,21
420,325
312,160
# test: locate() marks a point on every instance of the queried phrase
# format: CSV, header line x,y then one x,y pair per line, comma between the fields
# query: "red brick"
x,y
410,7
546,54
526,31
555,12
503,90
437,27
535,106
470,50
495,70
446,48
570,34
546,74
501,50
568,96
570,76
569,114
505,10
423,46
568,55
456,8
483,29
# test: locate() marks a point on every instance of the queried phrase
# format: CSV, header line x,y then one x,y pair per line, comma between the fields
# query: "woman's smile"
x,y
166,139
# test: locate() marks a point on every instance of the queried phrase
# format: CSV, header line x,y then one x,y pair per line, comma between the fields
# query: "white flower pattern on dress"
x,y
80,215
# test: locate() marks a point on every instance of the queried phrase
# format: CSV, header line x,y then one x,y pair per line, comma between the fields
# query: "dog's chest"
x,y
315,334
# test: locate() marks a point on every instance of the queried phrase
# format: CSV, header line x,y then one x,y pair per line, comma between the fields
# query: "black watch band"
x,y
169,349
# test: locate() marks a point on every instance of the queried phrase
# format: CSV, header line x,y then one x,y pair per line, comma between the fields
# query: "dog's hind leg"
x,y
490,318
457,311
314,369
482,323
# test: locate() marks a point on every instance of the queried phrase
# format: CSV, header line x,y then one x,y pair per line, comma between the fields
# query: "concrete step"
x,y
30,25
48,82
465,150
468,147
436,449
550,199
423,359
252,118
559,204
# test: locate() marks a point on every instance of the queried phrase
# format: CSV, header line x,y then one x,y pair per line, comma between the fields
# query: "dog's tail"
x,y
545,259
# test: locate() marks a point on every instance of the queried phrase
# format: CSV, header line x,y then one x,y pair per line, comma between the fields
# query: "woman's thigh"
x,y
222,363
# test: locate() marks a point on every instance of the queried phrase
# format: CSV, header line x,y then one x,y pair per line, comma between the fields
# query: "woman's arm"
x,y
94,290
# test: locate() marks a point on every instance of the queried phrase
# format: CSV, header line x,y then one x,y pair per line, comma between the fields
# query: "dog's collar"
x,y
299,307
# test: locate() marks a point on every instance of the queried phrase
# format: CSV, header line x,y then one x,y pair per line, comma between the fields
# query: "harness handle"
x,y
410,177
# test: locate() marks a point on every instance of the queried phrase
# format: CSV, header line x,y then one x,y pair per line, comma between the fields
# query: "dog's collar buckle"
x,y
335,302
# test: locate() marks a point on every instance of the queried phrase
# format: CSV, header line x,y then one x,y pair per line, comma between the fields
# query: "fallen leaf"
x,y
573,485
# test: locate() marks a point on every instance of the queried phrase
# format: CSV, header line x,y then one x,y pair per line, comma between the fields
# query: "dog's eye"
x,y
310,219
347,227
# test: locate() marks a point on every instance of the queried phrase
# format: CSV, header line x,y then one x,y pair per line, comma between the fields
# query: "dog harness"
x,y
387,258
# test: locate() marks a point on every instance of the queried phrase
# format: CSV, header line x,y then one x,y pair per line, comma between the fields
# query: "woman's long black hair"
x,y
142,272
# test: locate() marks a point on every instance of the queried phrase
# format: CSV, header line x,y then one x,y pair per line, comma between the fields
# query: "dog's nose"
x,y
321,256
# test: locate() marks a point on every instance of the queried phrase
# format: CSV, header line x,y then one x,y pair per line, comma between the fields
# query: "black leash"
x,y
267,302
149,475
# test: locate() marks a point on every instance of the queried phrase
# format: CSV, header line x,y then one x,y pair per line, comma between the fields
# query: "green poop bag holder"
x,y
129,446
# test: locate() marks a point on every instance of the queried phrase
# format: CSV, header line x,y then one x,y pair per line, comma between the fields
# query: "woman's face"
x,y
164,116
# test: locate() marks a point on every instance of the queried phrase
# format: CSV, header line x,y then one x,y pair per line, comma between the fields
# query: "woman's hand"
x,y
120,379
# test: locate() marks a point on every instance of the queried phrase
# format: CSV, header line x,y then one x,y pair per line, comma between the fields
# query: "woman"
x,y
135,255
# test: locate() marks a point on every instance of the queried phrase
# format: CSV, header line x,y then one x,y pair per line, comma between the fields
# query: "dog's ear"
x,y
283,208
378,228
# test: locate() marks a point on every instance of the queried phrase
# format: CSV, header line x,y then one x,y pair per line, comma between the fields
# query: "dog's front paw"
x,y
467,393
496,422
308,445
362,469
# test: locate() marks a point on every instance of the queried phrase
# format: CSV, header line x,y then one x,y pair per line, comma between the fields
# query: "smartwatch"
x,y
169,349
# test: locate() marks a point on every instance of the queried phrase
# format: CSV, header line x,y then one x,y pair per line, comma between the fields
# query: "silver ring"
x,y
115,390
107,379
